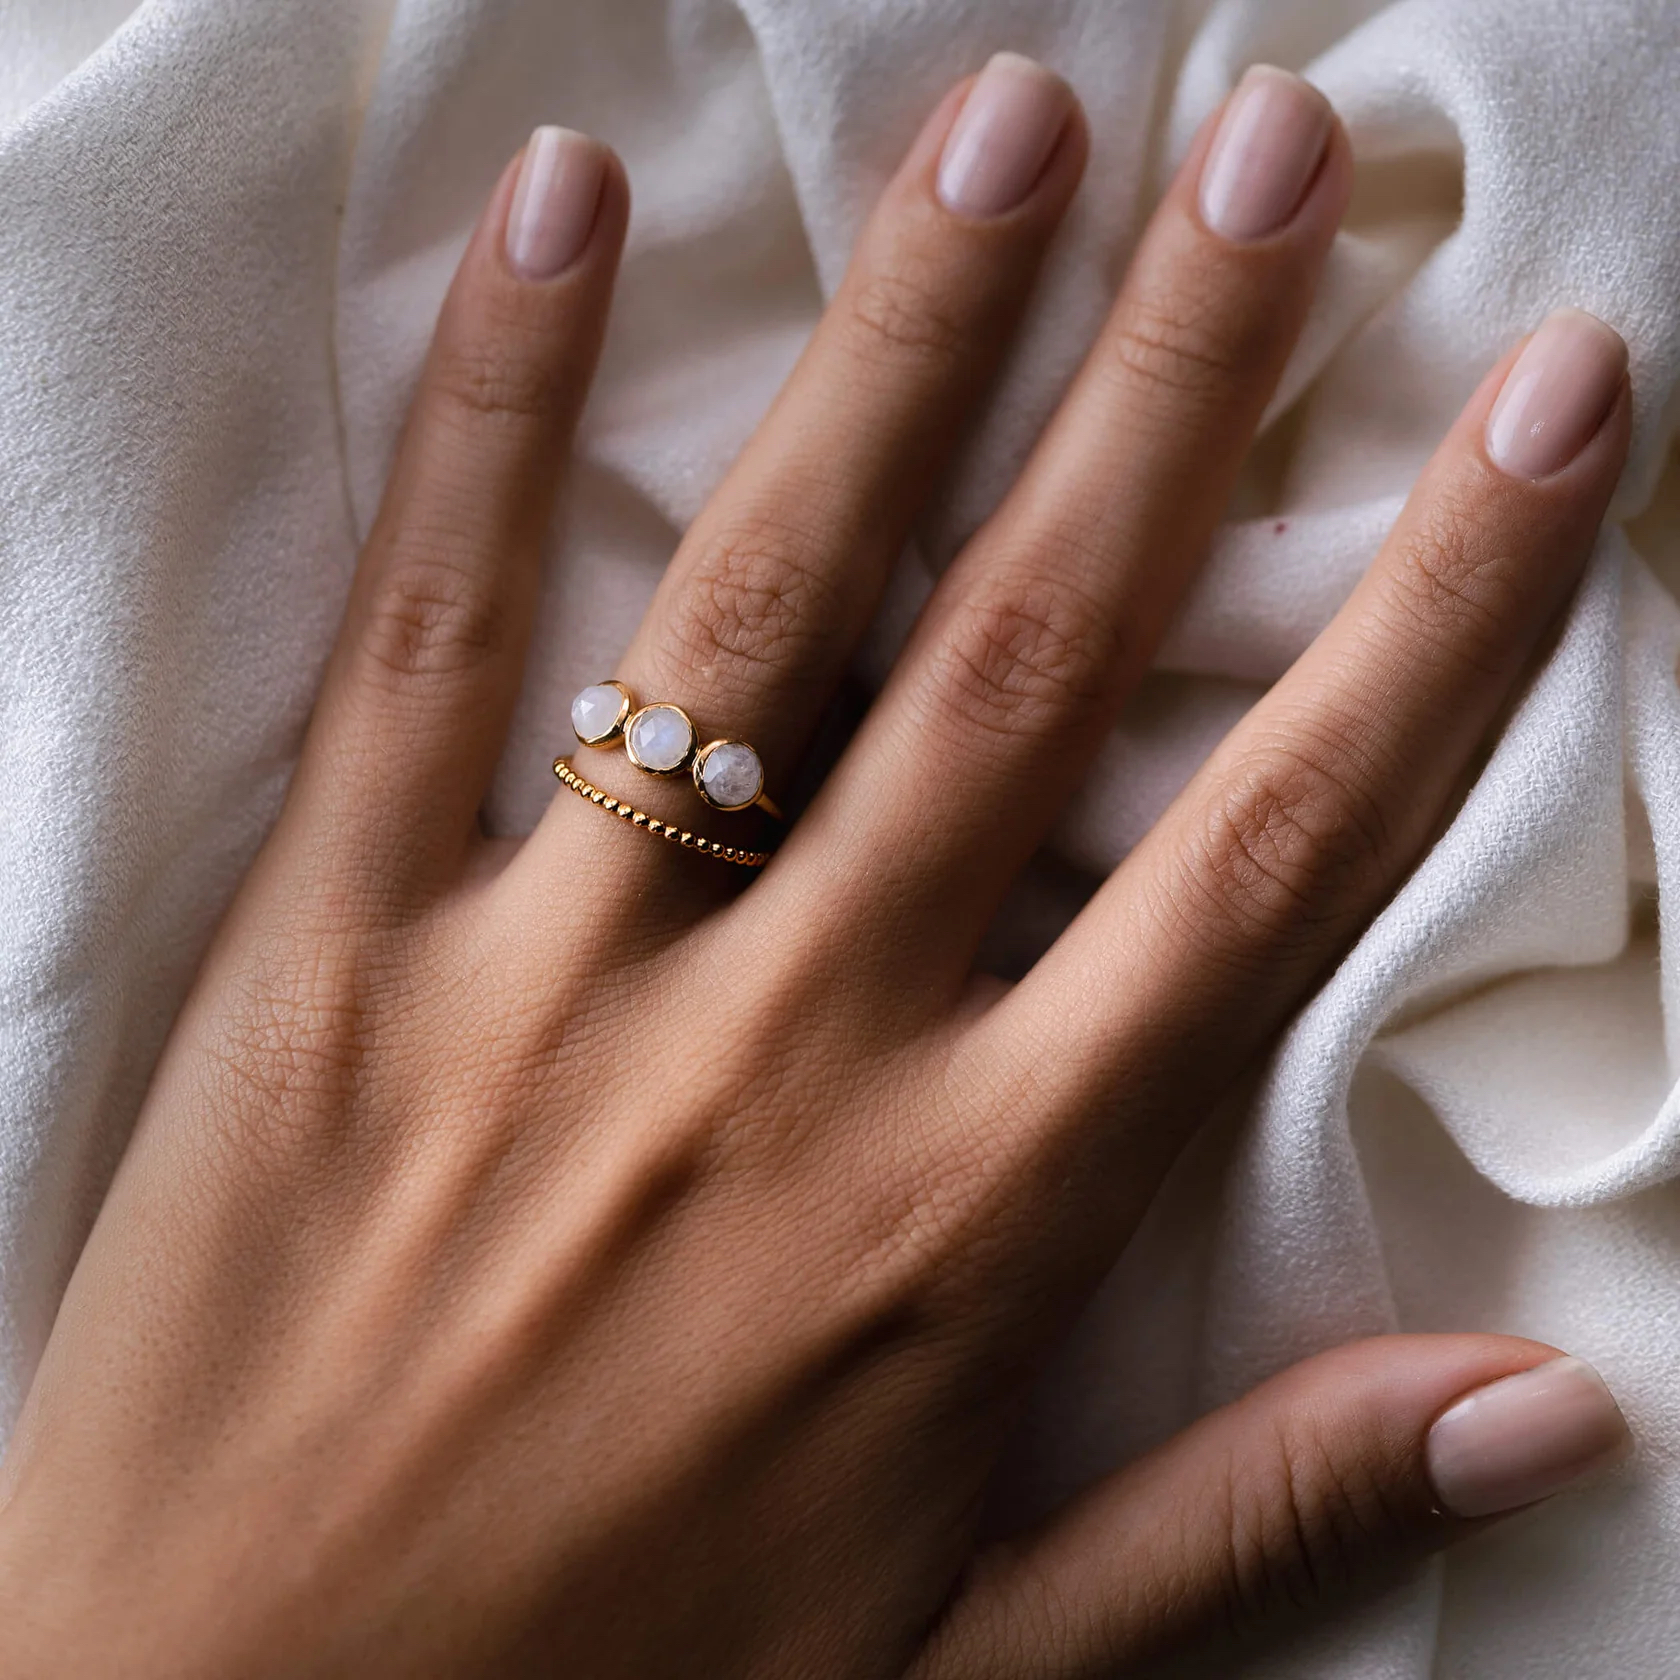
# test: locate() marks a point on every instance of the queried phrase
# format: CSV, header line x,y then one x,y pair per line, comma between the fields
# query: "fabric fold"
x,y
228,228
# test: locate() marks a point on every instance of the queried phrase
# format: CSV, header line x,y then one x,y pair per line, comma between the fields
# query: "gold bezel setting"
x,y
655,769
699,771
694,757
626,704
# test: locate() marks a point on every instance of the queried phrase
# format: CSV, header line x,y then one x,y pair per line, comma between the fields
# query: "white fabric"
x,y
224,229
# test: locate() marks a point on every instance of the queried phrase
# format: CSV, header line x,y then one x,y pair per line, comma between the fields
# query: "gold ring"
x,y
665,831
661,739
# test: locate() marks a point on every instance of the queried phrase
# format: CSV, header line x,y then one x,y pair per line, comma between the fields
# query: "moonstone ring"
x,y
661,739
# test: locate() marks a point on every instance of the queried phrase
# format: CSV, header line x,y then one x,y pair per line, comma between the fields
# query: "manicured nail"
x,y
1265,154
1003,136
554,202
1556,395
1524,1437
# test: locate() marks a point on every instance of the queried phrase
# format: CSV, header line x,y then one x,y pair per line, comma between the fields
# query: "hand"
x,y
542,1259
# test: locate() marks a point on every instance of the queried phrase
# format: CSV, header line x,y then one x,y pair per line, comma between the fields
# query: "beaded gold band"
x,y
665,831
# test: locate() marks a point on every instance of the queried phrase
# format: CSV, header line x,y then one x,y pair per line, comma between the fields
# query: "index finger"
x,y
1287,842
415,703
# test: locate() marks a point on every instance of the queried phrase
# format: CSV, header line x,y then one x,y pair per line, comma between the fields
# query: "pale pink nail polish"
x,y
1269,145
554,202
1525,1437
1556,395
1003,136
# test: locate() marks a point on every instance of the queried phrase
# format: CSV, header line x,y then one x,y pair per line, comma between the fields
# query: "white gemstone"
x,y
661,737
595,711
732,774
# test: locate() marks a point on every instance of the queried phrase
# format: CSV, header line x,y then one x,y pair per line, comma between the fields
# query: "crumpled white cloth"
x,y
224,229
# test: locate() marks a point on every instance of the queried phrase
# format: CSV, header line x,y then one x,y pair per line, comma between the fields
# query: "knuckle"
x,y
491,381
293,1049
430,616
328,1048
1453,583
1305,1524
902,316
1291,842
1174,346
750,597
1021,657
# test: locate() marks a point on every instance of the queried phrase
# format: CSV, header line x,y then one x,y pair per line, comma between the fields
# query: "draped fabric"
x,y
225,228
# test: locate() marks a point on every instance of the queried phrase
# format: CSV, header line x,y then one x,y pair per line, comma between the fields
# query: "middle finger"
x,y
1048,620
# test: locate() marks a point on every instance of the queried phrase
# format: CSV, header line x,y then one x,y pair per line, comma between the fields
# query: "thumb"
x,y
1348,1464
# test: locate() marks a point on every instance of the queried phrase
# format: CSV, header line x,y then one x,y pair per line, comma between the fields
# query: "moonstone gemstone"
x,y
732,774
595,711
662,737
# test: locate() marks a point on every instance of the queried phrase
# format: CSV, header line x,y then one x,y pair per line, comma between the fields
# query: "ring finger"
x,y
770,589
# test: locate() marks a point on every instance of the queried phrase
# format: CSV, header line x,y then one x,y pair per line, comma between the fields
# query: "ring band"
x,y
661,739
665,830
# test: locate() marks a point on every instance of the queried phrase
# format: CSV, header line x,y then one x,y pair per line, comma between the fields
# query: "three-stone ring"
x,y
661,739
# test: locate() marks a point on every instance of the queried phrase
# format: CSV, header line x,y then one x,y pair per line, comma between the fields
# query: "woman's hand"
x,y
539,1261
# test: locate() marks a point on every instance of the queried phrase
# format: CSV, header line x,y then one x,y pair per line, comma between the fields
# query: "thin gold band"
x,y
665,831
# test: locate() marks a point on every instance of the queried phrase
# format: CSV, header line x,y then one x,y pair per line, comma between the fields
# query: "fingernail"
x,y
1265,154
1556,395
1003,136
554,202
1525,1437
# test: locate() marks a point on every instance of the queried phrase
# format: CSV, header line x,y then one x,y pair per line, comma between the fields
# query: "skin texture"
x,y
552,1259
